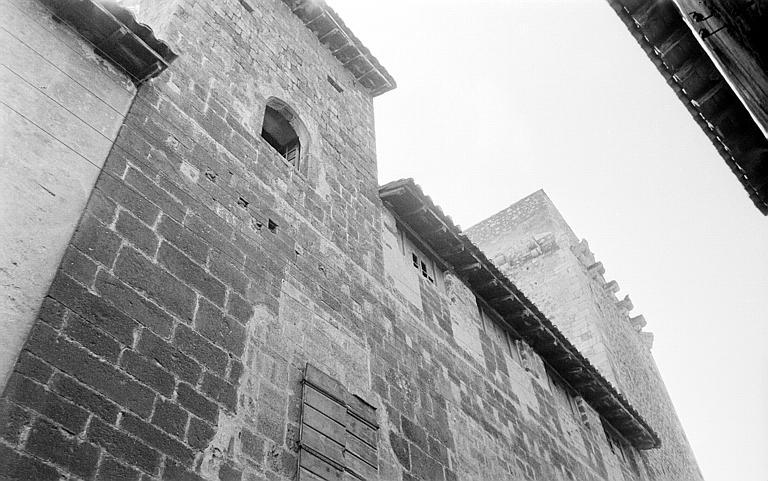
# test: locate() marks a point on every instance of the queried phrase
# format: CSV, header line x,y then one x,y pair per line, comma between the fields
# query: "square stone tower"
x,y
531,243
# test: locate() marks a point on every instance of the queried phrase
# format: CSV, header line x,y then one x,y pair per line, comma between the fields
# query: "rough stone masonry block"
x,y
148,372
84,397
160,286
18,466
93,308
184,240
169,357
135,232
92,339
193,275
220,328
88,369
35,396
49,443
199,433
220,390
170,417
128,198
134,304
111,470
13,421
195,403
123,447
78,266
200,349
156,438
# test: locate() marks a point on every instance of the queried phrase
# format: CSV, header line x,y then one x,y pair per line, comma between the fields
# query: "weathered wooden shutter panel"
x,y
292,155
339,432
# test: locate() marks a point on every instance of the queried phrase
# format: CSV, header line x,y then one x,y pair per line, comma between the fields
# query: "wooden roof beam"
x,y
453,251
474,266
490,284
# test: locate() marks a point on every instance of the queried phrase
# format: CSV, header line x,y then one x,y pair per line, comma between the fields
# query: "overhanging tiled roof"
x,y
348,49
421,215
116,35
659,28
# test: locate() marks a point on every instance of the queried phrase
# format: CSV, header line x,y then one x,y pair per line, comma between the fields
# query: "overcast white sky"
x,y
498,99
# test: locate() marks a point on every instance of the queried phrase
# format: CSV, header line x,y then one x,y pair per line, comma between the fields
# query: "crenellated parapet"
x,y
611,287
596,272
625,305
596,269
541,244
536,246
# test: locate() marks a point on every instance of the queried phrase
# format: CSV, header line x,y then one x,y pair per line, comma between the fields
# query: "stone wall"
x,y
206,273
527,237
535,247
61,108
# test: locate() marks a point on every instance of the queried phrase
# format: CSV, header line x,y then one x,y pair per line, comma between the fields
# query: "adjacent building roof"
x,y
348,49
116,35
660,29
420,215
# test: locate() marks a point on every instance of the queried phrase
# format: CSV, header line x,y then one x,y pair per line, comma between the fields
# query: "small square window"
x,y
425,266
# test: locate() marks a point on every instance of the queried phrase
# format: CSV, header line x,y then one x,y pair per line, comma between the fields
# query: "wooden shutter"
x,y
339,432
292,155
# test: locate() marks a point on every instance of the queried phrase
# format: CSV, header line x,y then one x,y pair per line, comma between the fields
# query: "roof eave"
x,y
116,36
661,32
455,250
331,31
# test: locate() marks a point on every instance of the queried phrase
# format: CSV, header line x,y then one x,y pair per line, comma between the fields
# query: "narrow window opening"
x,y
571,405
280,134
335,84
424,266
582,410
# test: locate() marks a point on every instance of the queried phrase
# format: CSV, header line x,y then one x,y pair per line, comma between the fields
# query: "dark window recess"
x,y
582,408
421,266
335,84
280,134
514,350
247,5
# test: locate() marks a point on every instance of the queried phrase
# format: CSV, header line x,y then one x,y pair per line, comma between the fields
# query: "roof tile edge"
x,y
116,35
331,31
757,193
539,331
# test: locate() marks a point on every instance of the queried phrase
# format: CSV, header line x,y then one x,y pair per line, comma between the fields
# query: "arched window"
x,y
282,130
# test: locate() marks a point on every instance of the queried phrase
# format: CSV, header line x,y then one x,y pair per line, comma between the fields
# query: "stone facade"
x,y
532,243
207,273
62,108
